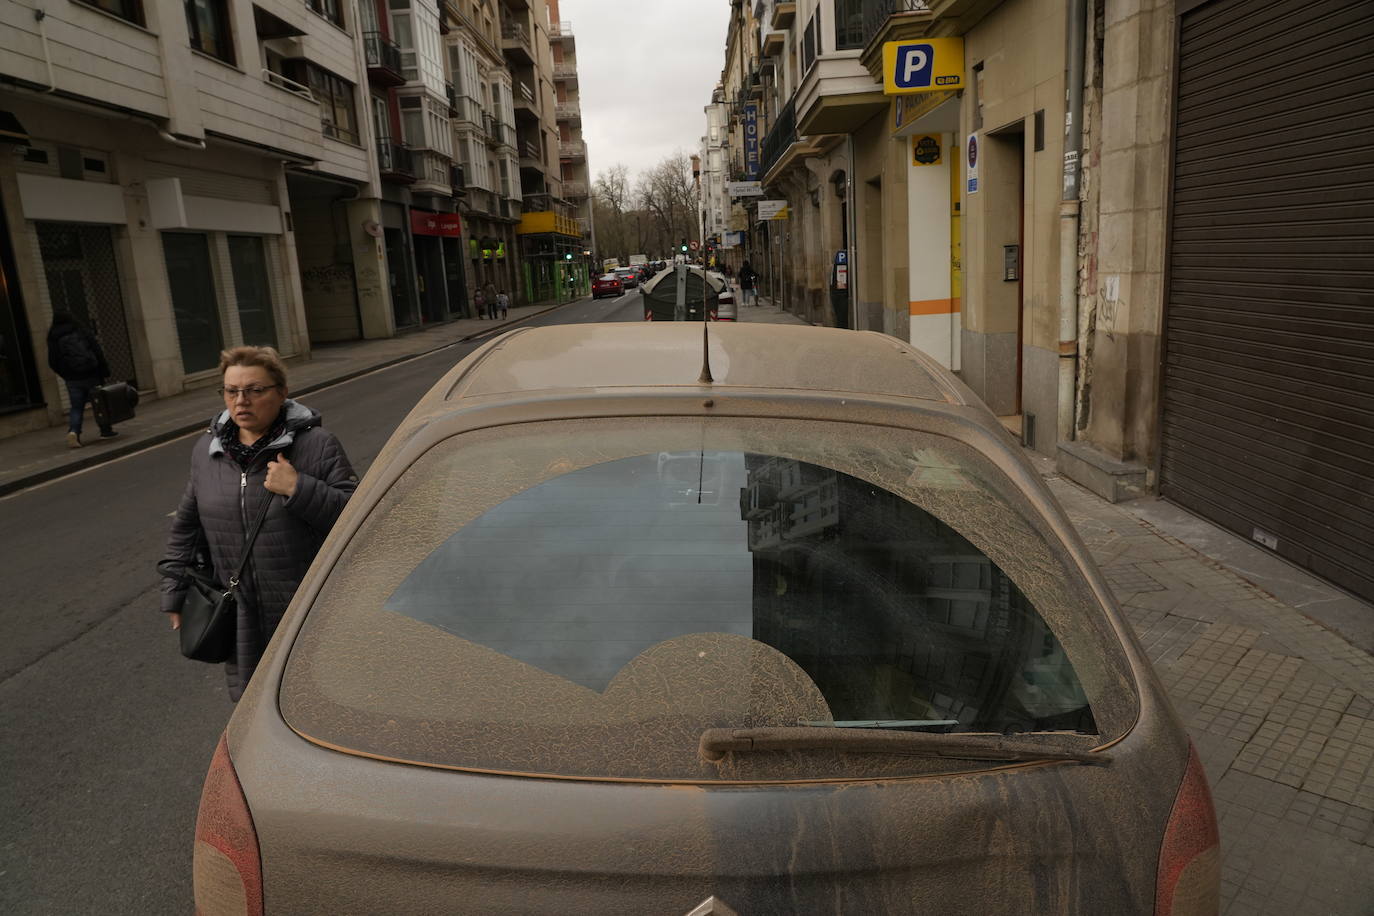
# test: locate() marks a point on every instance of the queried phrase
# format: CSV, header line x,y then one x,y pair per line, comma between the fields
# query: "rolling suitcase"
x,y
114,403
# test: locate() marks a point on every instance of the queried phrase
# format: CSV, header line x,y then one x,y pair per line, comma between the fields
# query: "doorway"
x,y
398,274
1004,164
191,278
79,264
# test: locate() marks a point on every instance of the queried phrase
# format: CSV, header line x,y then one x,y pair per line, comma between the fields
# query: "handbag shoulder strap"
x,y
248,544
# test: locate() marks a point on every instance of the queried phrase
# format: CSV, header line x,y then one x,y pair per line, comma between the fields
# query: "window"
x,y
329,9
253,290
849,24
809,39
132,10
335,96
642,581
207,21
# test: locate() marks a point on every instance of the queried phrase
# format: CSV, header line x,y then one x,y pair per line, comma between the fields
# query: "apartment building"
x,y
485,146
165,161
1104,218
574,166
715,176
551,239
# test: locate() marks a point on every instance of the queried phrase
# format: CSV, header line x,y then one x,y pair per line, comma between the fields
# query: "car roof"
x,y
659,355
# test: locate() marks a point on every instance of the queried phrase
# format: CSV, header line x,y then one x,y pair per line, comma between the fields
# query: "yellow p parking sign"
x,y
927,65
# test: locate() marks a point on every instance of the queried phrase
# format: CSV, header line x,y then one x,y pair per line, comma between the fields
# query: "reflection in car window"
x,y
891,614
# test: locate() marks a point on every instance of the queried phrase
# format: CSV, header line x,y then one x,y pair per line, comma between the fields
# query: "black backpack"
x,y
77,356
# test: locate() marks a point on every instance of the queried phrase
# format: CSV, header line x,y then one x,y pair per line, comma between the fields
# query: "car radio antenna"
x,y
705,378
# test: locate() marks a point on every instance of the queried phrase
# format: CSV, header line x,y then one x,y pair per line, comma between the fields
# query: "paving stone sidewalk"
x,y
1280,708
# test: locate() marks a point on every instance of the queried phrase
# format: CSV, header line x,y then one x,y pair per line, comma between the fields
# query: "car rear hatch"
x,y
507,686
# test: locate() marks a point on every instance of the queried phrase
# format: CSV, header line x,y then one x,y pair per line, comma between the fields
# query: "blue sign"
x,y
752,152
842,257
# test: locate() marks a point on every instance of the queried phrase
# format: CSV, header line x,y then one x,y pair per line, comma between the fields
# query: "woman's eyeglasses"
x,y
252,393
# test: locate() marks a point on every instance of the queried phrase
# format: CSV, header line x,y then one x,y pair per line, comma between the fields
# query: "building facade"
x,y
166,164
1104,228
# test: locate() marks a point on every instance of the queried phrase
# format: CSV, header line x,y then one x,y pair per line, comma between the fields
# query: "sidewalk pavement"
x,y
32,458
1280,708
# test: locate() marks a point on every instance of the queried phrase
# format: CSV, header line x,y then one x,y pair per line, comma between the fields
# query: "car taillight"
x,y
1188,882
226,868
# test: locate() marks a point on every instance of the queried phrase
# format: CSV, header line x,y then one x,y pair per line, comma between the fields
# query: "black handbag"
x,y
209,611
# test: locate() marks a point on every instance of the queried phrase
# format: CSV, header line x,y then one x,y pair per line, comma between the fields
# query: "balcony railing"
x,y
452,99
575,189
530,150
858,21
565,70
568,111
394,159
382,54
572,149
560,29
783,135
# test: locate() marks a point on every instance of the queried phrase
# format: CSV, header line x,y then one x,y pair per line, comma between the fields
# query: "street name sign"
x,y
929,65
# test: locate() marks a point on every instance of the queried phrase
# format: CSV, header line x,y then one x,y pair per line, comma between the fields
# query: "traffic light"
x,y
684,244
568,256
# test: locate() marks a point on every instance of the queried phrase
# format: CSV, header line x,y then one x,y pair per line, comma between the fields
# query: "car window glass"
x,y
596,621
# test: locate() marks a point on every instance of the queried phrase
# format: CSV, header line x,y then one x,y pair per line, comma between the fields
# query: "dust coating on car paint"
x,y
361,677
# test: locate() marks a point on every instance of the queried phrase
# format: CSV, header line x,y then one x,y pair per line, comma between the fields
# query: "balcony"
x,y
774,43
446,13
456,180
568,111
575,190
558,31
890,20
515,44
566,70
530,155
433,172
782,136
395,162
383,60
783,14
452,95
572,149
526,107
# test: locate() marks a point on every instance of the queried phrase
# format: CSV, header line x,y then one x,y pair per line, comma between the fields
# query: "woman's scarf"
x,y
245,455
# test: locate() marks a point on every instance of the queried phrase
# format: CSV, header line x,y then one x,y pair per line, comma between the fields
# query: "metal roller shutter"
x,y
1267,420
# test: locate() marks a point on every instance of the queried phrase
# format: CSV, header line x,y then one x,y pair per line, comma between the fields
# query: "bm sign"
x,y
928,65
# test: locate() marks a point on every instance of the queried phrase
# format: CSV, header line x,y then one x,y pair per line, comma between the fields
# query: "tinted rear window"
x,y
596,617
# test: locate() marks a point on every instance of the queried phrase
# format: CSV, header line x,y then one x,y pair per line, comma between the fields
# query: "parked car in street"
x,y
726,307
629,276
607,285
785,623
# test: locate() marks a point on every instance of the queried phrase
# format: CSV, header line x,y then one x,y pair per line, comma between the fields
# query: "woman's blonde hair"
x,y
263,357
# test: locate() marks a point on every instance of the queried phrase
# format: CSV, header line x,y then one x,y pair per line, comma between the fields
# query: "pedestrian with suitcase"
x,y
75,355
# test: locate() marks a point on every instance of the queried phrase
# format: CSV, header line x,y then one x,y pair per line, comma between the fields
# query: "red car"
x,y
607,285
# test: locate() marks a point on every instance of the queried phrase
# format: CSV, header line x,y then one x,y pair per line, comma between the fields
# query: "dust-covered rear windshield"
x,y
575,602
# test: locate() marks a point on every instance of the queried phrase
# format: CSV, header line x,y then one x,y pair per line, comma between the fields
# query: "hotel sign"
x,y
929,65
752,150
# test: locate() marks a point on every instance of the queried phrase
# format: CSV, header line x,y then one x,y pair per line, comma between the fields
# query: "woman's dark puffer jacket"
x,y
224,502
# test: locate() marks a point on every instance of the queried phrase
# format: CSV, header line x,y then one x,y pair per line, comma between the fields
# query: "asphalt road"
x,y
107,731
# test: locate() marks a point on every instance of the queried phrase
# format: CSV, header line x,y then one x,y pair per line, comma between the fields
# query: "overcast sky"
x,y
645,71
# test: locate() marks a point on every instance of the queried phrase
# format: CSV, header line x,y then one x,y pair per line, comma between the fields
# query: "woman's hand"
x,y
281,477
176,621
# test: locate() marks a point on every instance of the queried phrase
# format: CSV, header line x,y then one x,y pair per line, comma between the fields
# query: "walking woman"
x,y
263,447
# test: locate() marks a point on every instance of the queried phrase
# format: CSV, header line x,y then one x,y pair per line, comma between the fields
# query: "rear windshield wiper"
x,y
717,742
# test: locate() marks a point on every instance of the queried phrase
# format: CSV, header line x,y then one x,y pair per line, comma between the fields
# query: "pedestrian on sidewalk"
x,y
747,278
262,449
479,302
503,301
75,355
489,293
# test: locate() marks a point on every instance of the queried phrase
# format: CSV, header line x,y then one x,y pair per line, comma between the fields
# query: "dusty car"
x,y
621,621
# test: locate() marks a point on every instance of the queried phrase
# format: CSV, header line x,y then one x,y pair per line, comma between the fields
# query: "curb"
x,y
167,435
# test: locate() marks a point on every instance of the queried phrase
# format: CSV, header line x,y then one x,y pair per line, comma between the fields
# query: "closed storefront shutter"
x,y
1267,423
